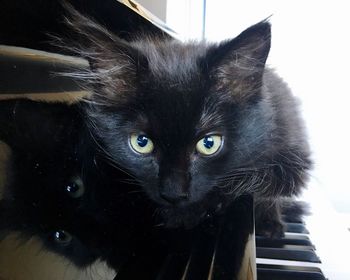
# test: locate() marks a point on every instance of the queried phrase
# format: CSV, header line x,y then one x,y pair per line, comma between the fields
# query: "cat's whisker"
x,y
159,225
136,192
129,183
130,180
158,211
107,155
252,180
114,164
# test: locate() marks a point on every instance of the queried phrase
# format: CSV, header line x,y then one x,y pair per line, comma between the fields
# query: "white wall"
x,y
156,7
186,18
310,49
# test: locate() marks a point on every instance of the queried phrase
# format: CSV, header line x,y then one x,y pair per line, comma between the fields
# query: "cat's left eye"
x,y
141,143
209,145
62,237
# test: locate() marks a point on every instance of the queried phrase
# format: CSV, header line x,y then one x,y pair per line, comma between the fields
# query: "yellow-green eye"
x,y
141,143
209,145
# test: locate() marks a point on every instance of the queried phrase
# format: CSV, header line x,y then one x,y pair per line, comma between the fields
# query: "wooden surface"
x,y
4,152
28,261
248,267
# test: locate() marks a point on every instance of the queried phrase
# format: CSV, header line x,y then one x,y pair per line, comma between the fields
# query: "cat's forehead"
x,y
173,117
175,98
172,59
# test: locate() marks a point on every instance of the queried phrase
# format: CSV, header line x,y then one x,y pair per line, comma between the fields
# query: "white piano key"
x,y
329,233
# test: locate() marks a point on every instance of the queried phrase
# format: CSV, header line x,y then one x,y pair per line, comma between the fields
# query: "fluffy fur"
x,y
176,94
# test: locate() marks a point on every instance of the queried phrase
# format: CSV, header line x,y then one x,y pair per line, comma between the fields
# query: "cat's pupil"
x,y
208,142
59,235
62,237
75,188
72,188
142,140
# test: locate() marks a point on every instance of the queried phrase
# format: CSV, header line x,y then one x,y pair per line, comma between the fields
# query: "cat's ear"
x,y
238,65
113,62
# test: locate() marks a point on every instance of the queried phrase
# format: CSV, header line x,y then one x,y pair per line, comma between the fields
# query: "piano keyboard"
x,y
212,251
315,249
215,256
292,257
299,255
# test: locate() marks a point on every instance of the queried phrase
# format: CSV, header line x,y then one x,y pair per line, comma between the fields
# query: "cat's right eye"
x,y
75,188
141,143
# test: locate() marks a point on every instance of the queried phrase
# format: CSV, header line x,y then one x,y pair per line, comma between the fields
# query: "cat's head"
x,y
185,120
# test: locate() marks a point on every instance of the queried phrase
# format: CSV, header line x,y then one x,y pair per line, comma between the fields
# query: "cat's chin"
x,y
188,216
181,217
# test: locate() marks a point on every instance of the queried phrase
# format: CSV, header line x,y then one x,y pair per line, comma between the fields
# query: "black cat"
x,y
171,134
196,124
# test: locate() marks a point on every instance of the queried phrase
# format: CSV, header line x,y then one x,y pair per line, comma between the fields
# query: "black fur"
x,y
182,93
175,94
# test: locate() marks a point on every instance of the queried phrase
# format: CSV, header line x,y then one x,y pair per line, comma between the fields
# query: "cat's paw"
x,y
271,228
294,211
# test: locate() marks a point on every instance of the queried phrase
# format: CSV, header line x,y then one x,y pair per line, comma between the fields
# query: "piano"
x,y
310,249
314,248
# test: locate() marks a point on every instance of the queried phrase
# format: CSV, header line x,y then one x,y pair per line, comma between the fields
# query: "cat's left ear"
x,y
113,63
238,65
90,40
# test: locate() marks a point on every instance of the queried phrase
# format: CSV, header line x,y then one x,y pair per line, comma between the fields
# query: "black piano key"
x,y
281,272
288,235
141,268
262,241
296,228
147,260
271,274
201,257
290,267
298,247
287,254
288,219
174,267
231,243
296,236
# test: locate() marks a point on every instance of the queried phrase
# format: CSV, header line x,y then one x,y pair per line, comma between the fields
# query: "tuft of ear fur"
x,y
238,65
113,62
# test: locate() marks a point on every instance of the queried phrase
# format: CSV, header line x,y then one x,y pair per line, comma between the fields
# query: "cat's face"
x,y
180,118
170,140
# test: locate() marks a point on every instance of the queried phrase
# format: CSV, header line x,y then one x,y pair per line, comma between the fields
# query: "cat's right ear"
x,y
237,65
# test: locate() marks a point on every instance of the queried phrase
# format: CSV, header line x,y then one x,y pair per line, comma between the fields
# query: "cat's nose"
x,y
173,197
